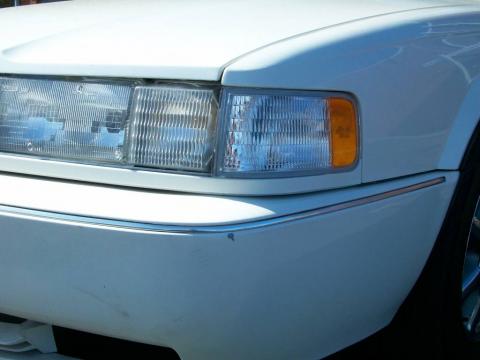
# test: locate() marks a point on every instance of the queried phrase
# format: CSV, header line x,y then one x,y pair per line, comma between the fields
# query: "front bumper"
x,y
294,287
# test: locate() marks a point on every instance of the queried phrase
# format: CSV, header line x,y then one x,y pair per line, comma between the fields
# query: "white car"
x,y
241,179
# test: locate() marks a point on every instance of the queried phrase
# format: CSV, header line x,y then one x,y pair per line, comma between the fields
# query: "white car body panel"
x,y
188,40
127,254
355,49
161,208
410,72
167,208
462,129
301,289
171,181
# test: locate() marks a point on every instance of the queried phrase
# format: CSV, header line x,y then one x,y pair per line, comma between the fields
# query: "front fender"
x,y
414,74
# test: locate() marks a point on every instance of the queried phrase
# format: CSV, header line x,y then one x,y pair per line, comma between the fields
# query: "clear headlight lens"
x,y
174,127
166,127
266,133
273,132
63,119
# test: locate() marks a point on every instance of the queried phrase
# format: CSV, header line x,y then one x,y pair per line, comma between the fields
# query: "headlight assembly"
x,y
245,133
272,133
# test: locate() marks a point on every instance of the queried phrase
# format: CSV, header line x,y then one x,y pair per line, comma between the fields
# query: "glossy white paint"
x,y
168,208
299,290
161,39
171,181
462,129
337,277
396,50
410,72
380,52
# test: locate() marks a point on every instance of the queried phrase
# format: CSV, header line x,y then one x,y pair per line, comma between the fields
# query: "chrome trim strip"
x,y
30,213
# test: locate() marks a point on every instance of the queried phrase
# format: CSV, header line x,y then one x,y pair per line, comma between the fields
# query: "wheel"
x,y
470,301
441,317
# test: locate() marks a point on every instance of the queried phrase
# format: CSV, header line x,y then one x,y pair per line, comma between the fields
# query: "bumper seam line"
x,y
212,229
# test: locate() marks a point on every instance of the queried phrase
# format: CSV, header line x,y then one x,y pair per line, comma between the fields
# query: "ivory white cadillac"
x,y
240,179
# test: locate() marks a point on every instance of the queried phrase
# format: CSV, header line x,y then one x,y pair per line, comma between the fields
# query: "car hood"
x,y
177,39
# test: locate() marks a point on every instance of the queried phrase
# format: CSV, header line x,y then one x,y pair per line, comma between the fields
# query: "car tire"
x,y
432,324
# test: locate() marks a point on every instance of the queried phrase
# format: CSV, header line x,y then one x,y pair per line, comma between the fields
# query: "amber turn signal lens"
x,y
344,132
